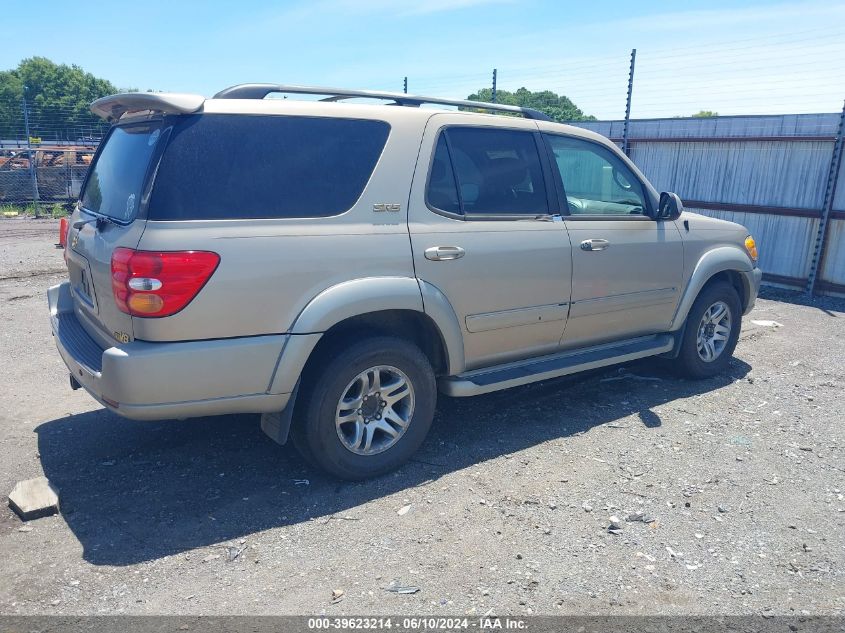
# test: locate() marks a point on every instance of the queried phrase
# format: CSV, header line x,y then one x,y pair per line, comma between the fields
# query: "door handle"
x,y
594,245
444,253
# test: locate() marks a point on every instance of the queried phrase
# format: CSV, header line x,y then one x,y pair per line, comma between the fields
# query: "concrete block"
x,y
34,498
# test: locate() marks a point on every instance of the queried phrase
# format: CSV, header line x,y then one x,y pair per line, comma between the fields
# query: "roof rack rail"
x,y
259,91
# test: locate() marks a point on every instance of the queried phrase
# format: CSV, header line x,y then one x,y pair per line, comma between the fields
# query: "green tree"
x,y
57,97
704,114
558,107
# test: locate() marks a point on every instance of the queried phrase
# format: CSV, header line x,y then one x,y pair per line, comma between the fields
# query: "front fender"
x,y
711,263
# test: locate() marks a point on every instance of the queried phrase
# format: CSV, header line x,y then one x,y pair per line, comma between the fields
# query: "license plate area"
x,y
80,282
84,287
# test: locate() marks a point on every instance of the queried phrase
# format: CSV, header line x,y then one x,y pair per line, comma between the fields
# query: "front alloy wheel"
x,y
714,331
711,331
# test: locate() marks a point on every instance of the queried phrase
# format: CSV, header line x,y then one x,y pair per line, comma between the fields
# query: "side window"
x,y
230,166
442,191
498,172
596,181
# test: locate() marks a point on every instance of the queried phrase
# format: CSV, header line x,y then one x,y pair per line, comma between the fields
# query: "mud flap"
x,y
276,425
678,338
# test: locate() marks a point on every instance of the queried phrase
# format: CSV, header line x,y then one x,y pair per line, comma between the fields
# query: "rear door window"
x,y
220,166
482,171
115,181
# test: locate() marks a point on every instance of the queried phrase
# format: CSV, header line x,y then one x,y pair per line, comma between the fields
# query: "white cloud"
x,y
439,6
385,8
685,21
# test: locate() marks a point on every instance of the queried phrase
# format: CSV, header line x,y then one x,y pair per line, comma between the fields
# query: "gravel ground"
x,y
739,481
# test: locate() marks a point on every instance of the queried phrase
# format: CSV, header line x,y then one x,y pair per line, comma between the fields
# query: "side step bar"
x,y
489,379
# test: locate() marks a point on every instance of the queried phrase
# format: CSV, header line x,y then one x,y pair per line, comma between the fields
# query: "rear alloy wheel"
x,y
375,410
712,331
368,408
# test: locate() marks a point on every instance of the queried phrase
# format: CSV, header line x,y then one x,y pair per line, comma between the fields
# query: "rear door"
x,y
109,215
483,233
627,269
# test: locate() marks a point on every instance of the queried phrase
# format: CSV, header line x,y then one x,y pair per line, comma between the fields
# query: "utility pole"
x,y
405,88
493,98
625,147
32,174
817,263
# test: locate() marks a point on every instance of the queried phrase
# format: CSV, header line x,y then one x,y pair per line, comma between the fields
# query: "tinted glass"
x,y
498,171
117,177
442,192
596,181
219,166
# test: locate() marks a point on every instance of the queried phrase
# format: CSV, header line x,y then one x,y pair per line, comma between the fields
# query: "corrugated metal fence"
x,y
769,173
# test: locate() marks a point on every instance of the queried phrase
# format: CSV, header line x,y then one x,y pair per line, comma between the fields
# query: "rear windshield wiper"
x,y
99,219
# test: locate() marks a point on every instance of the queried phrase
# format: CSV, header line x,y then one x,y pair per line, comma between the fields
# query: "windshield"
x,y
117,177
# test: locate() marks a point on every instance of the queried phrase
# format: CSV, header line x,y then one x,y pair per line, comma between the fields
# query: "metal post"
x,y
31,158
829,194
493,96
405,88
628,103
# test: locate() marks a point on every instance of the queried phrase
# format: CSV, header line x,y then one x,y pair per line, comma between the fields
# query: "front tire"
x,y
368,408
712,331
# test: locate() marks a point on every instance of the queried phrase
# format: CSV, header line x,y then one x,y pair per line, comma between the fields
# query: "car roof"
x,y
251,99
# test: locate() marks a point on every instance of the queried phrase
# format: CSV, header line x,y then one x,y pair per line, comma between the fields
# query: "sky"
x,y
752,57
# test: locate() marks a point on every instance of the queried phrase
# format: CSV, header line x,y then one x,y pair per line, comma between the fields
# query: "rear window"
x,y
115,181
219,166
498,171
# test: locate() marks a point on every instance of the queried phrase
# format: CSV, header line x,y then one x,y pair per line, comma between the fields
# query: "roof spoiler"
x,y
111,108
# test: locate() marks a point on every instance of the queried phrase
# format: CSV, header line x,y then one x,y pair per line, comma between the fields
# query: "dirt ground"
x,y
508,502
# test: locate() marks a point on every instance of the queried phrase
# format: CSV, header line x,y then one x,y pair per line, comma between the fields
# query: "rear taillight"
x,y
158,284
64,226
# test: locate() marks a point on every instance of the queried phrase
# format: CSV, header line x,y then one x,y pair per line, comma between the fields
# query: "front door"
x,y
627,269
483,233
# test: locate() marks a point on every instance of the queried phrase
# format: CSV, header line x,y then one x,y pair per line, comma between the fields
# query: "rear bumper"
x,y
158,381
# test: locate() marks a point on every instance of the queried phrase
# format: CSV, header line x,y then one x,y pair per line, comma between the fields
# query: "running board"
x,y
522,372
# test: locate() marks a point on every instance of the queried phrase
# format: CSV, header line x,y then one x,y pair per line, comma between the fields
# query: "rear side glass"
x,y
220,166
498,171
114,184
442,192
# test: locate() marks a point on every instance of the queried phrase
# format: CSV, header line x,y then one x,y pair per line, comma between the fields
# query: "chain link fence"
x,y
45,153
44,175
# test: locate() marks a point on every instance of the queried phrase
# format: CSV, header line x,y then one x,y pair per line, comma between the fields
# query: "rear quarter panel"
x,y
271,269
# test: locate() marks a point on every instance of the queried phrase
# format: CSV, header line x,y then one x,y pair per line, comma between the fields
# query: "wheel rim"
x,y
714,331
375,410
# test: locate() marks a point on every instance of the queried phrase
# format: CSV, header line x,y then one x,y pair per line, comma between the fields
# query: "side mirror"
x,y
670,206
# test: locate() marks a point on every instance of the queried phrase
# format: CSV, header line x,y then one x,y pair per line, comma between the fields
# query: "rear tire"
x,y
712,331
366,408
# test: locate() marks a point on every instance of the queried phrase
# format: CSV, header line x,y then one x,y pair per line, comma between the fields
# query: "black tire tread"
x,y
315,436
688,363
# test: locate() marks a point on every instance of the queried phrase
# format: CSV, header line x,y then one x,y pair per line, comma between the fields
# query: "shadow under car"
x,y
137,491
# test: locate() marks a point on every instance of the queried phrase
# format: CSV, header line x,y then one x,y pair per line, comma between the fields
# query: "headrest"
x,y
506,172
